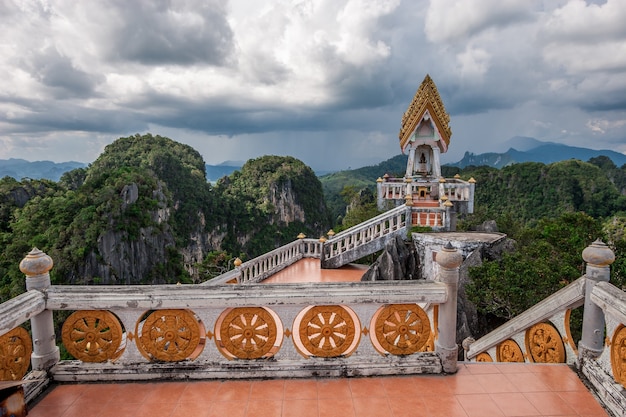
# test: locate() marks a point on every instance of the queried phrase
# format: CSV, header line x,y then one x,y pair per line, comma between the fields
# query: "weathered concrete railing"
x,y
515,340
458,190
364,238
542,333
241,331
417,189
392,189
261,267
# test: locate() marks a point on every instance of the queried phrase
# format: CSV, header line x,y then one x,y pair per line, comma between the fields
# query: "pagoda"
x,y
425,135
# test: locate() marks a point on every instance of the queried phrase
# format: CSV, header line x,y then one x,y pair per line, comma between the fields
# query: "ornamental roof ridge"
x,y
426,98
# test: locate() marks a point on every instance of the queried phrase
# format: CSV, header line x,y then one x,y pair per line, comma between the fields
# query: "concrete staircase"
x,y
365,238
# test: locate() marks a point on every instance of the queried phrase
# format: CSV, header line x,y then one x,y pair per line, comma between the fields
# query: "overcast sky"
x,y
324,81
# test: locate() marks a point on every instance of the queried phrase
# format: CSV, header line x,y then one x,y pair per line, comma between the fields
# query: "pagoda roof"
x,y
426,99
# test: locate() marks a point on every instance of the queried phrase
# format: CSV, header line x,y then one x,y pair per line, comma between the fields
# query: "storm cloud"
x,y
322,80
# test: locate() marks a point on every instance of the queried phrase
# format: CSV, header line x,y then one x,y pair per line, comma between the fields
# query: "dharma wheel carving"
x,y
327,331
92,335
509,351
544,344
248,333
401,329
618,355
170,336
483,357
15,350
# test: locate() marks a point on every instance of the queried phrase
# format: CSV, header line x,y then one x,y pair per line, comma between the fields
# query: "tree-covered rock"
x,y
144,212
269,202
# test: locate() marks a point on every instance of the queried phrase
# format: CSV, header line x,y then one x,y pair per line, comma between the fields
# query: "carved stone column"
x,y
599,258
36,266
449,260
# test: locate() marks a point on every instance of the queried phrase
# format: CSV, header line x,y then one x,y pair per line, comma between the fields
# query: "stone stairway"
x,y
365,238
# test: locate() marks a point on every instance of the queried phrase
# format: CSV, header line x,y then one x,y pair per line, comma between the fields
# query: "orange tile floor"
x,y
477,390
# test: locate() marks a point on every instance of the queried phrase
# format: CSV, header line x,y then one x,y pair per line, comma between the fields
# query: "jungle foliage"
x,y
146,185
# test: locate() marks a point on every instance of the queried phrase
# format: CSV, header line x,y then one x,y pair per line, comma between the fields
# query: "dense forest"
x,y
144,212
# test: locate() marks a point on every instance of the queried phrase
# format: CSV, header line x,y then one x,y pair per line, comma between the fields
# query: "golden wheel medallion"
x,y
544,344
247,333
618,355
327,331
15,350
401,329
92,335
509,351
170,335
483,357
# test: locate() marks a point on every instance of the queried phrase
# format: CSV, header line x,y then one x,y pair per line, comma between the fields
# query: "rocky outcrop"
x,y
122,261
474,247
397,262
283,200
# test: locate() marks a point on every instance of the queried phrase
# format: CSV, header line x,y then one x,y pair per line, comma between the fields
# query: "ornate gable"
x,y
426,99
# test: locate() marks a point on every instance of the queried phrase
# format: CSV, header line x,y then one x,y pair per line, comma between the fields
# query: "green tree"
x,y
547,257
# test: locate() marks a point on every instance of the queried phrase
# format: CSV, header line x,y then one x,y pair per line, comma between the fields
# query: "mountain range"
x,y
520,149
525,149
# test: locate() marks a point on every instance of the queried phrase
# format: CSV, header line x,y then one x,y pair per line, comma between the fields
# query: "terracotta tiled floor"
x,y
477,390
308,270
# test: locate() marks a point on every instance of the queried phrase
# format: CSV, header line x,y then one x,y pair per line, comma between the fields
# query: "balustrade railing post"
x,y
599,258
36,266
380,201
449,260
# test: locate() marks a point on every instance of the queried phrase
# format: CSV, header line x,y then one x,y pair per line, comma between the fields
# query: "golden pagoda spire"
x,y
426,99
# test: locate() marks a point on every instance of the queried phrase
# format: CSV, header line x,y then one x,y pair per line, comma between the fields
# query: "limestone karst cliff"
x,y
143,212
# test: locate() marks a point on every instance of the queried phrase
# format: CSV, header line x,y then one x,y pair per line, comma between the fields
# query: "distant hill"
x,y
20,168
531,150
359,178
215,172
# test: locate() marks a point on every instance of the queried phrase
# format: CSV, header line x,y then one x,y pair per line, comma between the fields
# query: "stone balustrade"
x,y
235,331
261,267
457,190
454,189
393,190
513,342
364,238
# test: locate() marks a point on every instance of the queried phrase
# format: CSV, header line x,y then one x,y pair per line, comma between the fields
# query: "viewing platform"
x,y
476,390
321,349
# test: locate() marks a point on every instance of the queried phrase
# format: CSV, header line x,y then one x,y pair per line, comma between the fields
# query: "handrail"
x,y
364,238
280,257
224,278
610,299
374,220
261,267
149,297
570,296
18,310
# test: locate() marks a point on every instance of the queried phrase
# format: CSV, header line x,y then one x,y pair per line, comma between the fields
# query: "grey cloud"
x,y
67,117
59,74
155,32
613,101
221,117
454,20
265,69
